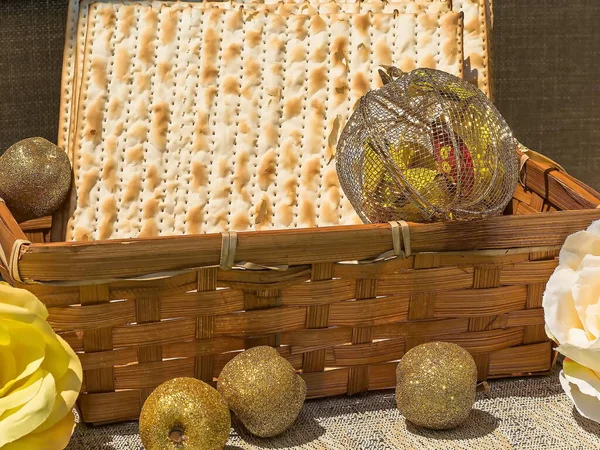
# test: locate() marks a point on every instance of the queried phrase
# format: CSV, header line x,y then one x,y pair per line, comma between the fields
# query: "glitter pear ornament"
x,y
35,178
185,413
436,385
427,146
263,390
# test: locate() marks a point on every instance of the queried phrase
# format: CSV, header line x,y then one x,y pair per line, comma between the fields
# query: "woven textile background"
x,y
546,70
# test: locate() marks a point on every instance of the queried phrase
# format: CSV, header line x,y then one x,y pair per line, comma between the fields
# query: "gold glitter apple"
x,y
263,390
436,384
185,414
35,178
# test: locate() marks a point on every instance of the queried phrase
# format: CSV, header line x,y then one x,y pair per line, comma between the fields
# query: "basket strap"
x,y
11,261
522,171
536,156
400,238
397,240
229,247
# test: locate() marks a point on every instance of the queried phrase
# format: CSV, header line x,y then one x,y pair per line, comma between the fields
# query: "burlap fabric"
x,y
527,413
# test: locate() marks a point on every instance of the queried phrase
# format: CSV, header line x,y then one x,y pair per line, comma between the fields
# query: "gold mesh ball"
x,y
427,146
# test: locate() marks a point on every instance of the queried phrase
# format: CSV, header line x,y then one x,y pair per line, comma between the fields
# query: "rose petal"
x,y
34,331
594,228
586,379
23,299
28,348
8,365
55,438
586,293
559,309
576,246
592,320
23,394
19,422
4,335
57,359
588,357
68,387
582,385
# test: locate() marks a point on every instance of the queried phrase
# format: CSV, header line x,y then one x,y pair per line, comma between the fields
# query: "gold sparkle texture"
x,y
263,390
35,178
185,414
436,384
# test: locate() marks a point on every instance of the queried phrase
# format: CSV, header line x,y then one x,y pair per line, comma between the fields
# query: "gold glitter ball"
x,y
263,390
185,414
436,384
35,178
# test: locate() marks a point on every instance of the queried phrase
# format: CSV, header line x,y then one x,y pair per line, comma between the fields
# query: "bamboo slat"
x,y
445,278
558,188
326,384
151,374
274,320
365,314
319,292
110,314
535,333
108,359
521,360
43,223
110,406
202,303
204,364
165,332
480,302
130,258
317,314
368,353
528,272
382,376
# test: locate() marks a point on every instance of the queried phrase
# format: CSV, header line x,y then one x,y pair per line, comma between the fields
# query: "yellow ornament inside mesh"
x,y
426,146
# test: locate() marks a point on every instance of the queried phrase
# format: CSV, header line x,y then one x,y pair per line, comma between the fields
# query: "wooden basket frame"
x,y
142,311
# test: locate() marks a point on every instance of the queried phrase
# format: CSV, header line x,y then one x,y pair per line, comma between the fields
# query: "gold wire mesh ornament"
x,y
427,146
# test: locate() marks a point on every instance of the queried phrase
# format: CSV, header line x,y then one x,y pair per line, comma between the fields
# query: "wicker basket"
x,y
344,326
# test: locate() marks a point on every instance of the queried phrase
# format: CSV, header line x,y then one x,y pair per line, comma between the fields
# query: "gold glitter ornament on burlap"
x,y
185,414
35,178
263,390
436,385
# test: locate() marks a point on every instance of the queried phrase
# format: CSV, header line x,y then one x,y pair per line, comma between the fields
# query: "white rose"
x,y
572,313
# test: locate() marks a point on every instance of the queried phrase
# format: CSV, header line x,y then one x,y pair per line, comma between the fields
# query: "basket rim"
x,y
105,261
150,258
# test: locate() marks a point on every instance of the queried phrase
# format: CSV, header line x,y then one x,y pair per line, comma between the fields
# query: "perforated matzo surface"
x,y
77,31
196,119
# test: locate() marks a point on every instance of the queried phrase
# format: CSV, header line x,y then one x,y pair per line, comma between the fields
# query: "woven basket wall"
x,y
343,326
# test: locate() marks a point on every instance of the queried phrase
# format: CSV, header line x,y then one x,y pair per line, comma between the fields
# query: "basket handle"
x,y
527,153
12,242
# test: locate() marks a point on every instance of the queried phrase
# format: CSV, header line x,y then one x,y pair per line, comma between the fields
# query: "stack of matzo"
x,y
204,117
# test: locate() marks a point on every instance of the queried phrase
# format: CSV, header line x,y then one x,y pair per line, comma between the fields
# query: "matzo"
x,y
196,119
77,31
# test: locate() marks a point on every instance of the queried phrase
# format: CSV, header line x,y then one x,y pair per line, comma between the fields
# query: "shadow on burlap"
x,y
524,413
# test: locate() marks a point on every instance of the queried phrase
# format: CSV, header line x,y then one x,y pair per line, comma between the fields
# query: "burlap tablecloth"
x,y
526,413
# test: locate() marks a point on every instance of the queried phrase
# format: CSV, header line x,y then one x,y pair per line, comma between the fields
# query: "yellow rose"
x,y
572,313
40,376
